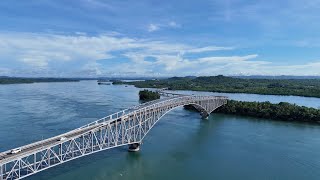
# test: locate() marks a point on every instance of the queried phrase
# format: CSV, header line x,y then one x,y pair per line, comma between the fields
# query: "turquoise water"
x,y
180,146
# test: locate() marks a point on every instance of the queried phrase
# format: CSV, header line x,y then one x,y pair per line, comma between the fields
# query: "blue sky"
x,y
90,38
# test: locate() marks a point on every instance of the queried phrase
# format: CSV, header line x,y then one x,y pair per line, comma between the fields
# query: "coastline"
x,y
279,112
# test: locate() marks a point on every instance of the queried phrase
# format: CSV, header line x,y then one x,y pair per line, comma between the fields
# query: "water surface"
x,y
180,146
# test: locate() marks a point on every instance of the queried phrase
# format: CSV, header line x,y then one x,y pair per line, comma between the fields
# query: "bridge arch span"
x,y
204,112
198,107
127,127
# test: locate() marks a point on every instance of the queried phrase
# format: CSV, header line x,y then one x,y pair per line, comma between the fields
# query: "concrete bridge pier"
x,y
204,115
134,147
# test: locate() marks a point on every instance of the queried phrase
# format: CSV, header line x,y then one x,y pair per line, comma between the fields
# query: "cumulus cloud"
x,y
27,54
44,51
40,49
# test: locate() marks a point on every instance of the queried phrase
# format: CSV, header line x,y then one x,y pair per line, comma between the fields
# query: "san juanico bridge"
x,y
127,127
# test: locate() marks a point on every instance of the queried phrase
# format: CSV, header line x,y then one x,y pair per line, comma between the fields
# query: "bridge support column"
x,y
1,173
134,147
203,112
204,115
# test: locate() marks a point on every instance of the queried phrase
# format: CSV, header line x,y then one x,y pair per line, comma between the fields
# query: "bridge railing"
x,y
118,114
107,118
89,130
151,104
184,99
136,109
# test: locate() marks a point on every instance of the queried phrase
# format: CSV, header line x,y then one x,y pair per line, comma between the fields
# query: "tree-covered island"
x,y
296,87
282,111
19,80
146,95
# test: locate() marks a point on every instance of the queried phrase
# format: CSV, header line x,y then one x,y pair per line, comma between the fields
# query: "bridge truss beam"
x,y
124,128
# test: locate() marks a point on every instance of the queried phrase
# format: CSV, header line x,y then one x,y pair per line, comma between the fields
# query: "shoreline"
x,y
282,111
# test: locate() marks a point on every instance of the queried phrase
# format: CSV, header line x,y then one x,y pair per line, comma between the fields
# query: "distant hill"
x,y
277,77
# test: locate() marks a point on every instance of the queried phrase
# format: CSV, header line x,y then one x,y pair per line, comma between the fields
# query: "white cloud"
x,y
172,62
156,27
45,51
36,61
40,49
84,55
153,27
5,71
81,33
227,59
209,48
174,24
97,4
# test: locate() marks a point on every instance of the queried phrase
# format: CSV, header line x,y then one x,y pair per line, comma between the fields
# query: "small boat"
x,y
104,83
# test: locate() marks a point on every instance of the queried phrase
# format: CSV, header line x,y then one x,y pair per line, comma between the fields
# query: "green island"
x,y
296,87
17,80
146,95
282,111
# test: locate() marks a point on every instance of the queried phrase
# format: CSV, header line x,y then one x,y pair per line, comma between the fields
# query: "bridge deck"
x,y
7,156
122,128
43,144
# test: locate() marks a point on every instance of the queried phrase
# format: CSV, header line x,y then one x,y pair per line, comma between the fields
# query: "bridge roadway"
x,y
7,156
126,127
27,149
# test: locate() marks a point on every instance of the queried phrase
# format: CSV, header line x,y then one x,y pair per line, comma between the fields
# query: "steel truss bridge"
x,y
127,127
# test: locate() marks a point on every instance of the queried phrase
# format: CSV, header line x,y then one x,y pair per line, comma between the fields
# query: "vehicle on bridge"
x,y
14,151
62,138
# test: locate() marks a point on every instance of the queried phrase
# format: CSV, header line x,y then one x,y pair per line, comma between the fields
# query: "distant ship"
x,y
104,82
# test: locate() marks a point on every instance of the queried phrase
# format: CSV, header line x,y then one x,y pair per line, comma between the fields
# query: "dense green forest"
x,y
297,87
16,80
146,95
282,111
